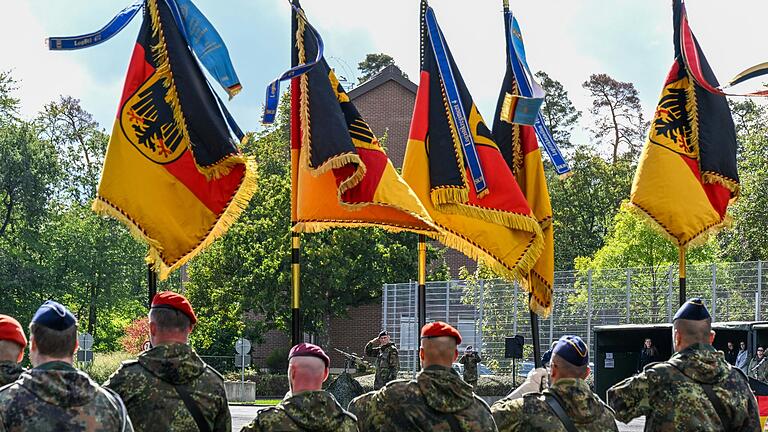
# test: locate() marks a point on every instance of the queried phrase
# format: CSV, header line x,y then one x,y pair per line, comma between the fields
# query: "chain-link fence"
x,y
485,311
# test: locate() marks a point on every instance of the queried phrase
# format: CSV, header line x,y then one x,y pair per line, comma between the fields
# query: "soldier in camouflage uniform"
x,y
673,395
53,395
12,344
437,400
388,359
306,407
169,388
758,366
470,360
533,413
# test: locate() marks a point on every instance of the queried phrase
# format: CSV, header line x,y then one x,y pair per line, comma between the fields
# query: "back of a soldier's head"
x,y
308,367
171,318
692,324
570,359
53,334
439,343
12,340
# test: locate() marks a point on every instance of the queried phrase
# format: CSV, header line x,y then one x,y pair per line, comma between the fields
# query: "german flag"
x,y
687,177
760,389
458,172
341,176
520,149
173,172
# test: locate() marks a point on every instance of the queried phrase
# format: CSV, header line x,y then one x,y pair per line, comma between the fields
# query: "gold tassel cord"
x,y
697,239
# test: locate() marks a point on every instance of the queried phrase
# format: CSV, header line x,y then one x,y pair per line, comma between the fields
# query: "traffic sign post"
x,y
242,347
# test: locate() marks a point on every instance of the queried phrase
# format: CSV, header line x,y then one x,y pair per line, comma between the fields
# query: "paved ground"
x,y
635,425
242,415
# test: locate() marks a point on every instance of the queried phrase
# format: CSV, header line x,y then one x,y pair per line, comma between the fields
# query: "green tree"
x,y
559,113
585,203
373,64
747,240
618,114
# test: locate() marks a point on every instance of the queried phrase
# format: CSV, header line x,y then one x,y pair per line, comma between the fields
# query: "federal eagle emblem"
x,y
670,127
147,121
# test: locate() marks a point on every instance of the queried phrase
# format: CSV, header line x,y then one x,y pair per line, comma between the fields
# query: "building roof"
x,y
389,73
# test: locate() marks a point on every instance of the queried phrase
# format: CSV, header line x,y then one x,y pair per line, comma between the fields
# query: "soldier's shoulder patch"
x,y
215,372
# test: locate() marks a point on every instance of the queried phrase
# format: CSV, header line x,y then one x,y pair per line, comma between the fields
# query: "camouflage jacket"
x,y
9,372
307,411
147,387
470,362
758,369
670,396
437,400
532,413
387,364
57,397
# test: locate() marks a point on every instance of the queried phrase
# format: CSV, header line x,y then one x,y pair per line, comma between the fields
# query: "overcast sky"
x,y
631,40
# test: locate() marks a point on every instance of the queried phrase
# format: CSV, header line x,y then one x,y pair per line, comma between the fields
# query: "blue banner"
x,y
208,45
273,89
456,107
105,33
526,84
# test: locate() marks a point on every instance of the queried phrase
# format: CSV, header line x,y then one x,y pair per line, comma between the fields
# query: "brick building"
x,y
386,102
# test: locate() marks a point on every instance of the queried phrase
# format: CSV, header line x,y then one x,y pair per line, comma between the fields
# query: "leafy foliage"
x,y
136,334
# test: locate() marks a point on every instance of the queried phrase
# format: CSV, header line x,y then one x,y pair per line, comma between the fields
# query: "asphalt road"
x,y
242,415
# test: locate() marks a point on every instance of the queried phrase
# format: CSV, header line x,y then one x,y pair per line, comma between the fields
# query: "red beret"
x,y
172,300
309,350
11,330
438,329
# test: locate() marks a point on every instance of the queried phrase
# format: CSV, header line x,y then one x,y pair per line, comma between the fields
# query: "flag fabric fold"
x,y
496,225
520,149
173,172
341,176
687,175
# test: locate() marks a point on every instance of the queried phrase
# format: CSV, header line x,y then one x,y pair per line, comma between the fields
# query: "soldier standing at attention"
x,y
169,387
436,400
12,344
695,390
388,361
567,405
470,360
53,395
306,407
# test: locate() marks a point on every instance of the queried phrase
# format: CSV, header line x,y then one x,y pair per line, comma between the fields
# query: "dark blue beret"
x,y
54,316
572,349
693,310
383,333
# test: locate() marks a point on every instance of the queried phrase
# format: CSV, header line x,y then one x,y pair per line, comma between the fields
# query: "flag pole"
x,y
296,327
296,319
151,284
422,295
681,249
535,334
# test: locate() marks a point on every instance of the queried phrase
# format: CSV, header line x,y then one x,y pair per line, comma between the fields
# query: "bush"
x,y
104,364
136,334
277,360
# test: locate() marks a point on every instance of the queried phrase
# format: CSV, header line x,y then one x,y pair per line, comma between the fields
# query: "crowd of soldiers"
x,y
169,388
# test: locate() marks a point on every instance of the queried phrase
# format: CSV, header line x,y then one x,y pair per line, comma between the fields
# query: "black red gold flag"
x,y
458,172
687,176
520,147
173,171
341,175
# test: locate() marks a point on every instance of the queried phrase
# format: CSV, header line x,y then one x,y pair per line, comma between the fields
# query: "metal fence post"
x,y
589,309
384,305
759,294
714,292
551,324
514,323
480,321
669,293
629,287
447,303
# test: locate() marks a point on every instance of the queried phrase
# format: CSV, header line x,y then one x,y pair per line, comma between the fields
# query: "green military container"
x,y
759,337
617,351
736,331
